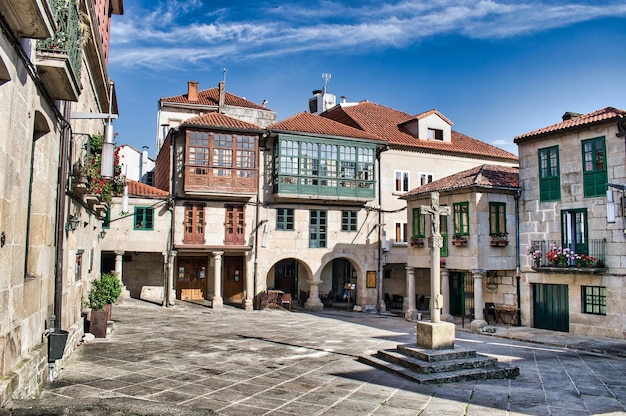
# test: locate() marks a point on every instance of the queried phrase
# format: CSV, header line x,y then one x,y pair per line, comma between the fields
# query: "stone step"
x,y
436,355
498,372
426,367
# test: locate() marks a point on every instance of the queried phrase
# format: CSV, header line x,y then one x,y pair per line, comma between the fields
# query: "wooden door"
x,y
551,307
234,277
191,278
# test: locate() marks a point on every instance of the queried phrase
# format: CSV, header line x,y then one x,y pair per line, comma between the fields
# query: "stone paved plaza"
x,y
193,360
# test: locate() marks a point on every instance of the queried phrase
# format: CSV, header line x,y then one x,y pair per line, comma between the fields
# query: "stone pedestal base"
x,y
435,336
313,303
478,324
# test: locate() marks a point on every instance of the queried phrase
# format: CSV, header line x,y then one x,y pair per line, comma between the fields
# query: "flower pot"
x,y
98,324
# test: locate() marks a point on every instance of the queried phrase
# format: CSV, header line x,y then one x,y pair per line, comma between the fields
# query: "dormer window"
x,y
435,134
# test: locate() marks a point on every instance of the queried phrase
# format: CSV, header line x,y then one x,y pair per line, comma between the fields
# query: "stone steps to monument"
x,y
493,372
429,367
435,355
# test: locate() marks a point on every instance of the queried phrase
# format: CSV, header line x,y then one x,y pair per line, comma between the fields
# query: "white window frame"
x,y
426,175
401,229
400,175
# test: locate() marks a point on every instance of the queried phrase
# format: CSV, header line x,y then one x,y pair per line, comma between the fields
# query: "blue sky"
x,y
496,68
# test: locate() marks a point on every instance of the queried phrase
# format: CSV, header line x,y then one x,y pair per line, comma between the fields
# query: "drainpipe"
x,y
60,213
379,271
517,261
169,279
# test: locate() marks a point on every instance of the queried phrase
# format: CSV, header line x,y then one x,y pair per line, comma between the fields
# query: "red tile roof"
x,y
485,176
386,123
211,97
141,189
220,121
310,123
584,120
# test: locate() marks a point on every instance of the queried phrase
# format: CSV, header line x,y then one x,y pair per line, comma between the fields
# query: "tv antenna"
x,y
326,77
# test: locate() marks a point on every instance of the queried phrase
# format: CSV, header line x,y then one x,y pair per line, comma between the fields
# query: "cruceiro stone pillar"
x,y
218,302
410,311
435,334
248,303
479,318
171,298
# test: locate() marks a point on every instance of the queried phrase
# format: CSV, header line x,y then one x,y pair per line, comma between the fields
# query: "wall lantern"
x,y
72,223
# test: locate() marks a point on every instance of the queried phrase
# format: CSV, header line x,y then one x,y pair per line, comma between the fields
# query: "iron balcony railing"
x,y
555,254
69,37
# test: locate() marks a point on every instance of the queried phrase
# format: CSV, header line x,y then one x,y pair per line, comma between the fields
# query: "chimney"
x,y
221,97
570,115
192,91
344,99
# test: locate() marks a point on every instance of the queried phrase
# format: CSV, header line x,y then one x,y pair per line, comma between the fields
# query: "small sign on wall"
x,y
371,279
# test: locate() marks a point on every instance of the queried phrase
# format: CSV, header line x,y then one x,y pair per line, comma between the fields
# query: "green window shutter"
x,y
594,169
419,224
549,174
461,218
497,217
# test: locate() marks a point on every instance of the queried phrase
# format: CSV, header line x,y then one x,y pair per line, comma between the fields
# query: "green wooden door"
x,y
457,294
551,307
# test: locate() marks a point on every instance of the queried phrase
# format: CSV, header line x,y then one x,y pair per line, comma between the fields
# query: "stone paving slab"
x,y
192,360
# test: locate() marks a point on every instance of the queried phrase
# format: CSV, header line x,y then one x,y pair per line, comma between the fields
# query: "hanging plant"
x,y
106,189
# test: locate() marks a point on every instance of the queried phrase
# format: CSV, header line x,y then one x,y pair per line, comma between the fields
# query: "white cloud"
x,y
176,32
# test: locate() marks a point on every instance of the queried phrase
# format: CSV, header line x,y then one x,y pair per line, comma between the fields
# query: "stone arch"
x,y
4,72
338,270
289,274
41,125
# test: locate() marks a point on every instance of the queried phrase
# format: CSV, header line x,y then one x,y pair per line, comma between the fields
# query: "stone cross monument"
x,y
435,334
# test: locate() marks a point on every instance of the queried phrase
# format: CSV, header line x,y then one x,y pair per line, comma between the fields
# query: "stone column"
x,y
218,302
119,258
410,311
248,303
445,292
314,302
479,318
169,294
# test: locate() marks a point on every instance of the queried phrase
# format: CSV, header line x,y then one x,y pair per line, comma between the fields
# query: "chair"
x,y
286,298
387,301
490,309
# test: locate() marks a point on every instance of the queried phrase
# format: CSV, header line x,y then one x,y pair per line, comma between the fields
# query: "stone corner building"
x,y
53,57
573,251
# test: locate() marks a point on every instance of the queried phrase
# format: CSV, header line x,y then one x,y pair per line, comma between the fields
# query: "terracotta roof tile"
x,y
310,123
211,97
598,116
141,189
386,123
487,176
221,121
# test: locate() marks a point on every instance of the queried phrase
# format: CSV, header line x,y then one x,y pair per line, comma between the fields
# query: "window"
x,y
284,219
150,178
549,175
234,231
426,178
244,158
222,154
402,181
574,230
317,228
497,218
144,218
435,134
419,223
78,266
348,220
199,148
594,167
401,232
461,218
194,224
594,299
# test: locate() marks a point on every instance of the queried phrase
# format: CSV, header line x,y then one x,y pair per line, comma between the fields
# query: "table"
x,y
506,311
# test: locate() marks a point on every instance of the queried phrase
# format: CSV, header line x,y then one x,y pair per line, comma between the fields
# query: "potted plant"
x,y
97,298
459,239
112,289
499,239
417,241
535,254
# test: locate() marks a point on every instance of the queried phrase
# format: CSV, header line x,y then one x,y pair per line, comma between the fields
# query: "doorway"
x,y
234,274
461,294
551,307
191,278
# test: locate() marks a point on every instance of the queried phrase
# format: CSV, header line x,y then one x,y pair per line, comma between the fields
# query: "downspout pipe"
x,y
169,279
517,259
379,271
